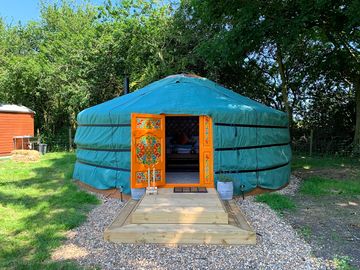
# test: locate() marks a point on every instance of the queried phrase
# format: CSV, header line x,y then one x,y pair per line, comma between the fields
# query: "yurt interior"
x,y
182,149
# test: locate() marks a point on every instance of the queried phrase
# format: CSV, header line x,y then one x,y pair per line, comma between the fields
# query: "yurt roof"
x,y
183,94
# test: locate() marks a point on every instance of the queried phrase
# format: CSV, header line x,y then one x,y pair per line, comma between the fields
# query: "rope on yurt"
x,y
104,125
104,150
249,125
252,170
251,147
102,166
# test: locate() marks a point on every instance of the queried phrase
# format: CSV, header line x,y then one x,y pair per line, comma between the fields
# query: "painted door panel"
x,y
206,151
147,149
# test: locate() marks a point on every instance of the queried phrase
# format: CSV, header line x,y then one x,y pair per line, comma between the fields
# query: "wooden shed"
x,y
16,127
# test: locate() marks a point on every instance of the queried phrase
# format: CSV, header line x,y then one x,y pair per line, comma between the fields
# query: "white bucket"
x,y
137,193
226,190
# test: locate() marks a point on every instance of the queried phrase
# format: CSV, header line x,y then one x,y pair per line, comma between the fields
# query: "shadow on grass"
x,y
37,211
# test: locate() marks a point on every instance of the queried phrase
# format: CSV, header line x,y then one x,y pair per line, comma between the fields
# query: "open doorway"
x,y
182,149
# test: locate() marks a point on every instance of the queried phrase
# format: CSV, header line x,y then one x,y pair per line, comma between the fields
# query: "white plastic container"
x,y
137,193
226,190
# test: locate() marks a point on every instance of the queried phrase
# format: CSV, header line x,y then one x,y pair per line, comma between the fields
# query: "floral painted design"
x,y
143,176
207,167
148,150
148,123
207,128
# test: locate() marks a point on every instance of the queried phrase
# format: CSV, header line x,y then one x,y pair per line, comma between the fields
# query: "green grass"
x,y
305,232
38,204
305,162
317,186
342,263
276,201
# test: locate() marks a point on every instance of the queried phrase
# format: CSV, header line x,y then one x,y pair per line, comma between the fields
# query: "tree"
x,y
294,43
76,56
291,55
336,25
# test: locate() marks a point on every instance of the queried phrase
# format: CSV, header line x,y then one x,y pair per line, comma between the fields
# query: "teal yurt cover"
x,y
251,141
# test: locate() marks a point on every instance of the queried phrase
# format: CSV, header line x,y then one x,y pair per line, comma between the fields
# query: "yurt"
x,y
183,131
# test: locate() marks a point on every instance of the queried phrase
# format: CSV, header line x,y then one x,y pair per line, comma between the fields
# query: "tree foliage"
x,y
76,56
306,51
297,56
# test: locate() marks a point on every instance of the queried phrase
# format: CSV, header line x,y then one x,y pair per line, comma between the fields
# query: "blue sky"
x,y
13,11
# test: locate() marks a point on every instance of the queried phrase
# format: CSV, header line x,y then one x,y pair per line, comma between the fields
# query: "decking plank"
x,y
236,217
183,217
123,218
182,234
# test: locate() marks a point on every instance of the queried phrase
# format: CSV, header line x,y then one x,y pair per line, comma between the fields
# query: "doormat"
x,y
190,190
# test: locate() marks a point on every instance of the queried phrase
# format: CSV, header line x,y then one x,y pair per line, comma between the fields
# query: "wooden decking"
x,y
181,218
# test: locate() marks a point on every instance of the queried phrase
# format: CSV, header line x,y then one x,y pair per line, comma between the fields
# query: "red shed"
x,y
15,121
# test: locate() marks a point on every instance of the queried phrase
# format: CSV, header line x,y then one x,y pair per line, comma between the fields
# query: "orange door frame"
x,y
206,155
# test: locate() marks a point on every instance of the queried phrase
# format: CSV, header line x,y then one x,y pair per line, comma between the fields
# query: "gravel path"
x,y
292,187
278,245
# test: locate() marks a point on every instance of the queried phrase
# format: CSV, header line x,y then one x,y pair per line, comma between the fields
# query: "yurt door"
x,y
206,151
147,150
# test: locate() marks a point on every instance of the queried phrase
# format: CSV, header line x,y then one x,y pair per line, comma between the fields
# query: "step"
x,y
124,230
180,234
180,208
181,215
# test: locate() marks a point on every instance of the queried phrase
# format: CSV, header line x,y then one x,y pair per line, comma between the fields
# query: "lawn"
x,y
318,186
324,210
306,162
277,202
328,175
323,176
38,204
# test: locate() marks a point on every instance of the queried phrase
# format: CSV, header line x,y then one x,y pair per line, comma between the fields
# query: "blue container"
x,y
226,190
137,193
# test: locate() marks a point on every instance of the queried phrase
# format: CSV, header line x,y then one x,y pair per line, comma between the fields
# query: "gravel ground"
x,y
292,187
278,245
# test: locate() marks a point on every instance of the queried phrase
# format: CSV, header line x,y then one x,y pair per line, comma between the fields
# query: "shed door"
x,y
147,149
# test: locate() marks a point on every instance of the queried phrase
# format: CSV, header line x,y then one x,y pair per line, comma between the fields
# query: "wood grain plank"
x,y
182,234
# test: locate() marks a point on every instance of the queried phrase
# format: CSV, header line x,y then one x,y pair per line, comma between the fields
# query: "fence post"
x,y
311,141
